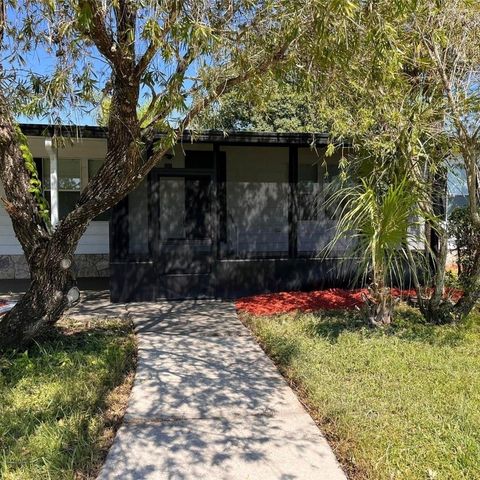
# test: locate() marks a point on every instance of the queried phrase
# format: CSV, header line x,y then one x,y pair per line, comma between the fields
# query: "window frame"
x,y
84,175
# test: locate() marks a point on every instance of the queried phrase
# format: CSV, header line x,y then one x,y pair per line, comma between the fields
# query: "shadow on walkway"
x,y
208,404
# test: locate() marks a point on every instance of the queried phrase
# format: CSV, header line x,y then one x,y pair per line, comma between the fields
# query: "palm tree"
x,y
381,219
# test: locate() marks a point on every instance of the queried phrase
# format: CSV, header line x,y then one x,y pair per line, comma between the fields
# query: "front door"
x,y
184,234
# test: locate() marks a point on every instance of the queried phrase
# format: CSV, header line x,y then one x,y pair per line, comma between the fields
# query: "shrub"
x,y
466,239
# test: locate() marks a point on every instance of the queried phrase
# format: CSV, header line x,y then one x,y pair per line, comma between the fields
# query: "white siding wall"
x,y
8,243
95,239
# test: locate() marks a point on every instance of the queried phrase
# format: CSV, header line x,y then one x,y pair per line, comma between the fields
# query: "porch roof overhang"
x,y
210,136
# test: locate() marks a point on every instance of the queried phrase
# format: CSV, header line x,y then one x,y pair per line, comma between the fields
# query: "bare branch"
x,y
147,57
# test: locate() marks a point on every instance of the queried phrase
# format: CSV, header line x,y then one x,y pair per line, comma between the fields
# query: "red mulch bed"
x,y
332,299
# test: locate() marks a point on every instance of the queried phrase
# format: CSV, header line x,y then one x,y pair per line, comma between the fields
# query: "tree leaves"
x,y
84,15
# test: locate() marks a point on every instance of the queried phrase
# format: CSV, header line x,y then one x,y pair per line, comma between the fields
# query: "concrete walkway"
x,y
207,403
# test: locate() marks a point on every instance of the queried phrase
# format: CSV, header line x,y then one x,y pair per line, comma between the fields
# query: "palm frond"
x,y
378,223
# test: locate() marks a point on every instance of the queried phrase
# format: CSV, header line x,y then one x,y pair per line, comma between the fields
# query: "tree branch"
x,y
99,34
3,18
126,15
467,143
228,84
20,203
175,81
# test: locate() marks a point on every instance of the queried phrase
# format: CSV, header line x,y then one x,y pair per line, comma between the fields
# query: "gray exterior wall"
x,y
265,246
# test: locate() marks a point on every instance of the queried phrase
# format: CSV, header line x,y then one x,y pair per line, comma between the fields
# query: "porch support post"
x,y
220,163
52,154
292,201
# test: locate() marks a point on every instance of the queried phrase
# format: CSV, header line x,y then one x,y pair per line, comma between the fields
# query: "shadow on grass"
x,y
55,397
284,351
72,335
408,325
64,348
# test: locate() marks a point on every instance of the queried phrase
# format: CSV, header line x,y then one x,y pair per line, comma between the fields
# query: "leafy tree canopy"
x,y
409,96
279,106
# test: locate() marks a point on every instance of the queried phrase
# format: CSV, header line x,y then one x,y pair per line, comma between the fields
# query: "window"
x,y
69,184
257,192
309,201
330,186
71,181
316,185
457,187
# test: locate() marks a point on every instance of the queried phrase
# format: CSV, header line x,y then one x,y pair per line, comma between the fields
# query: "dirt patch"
x,y
115,404
115,407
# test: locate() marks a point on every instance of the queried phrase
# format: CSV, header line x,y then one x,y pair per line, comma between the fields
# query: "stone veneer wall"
x,y
86,265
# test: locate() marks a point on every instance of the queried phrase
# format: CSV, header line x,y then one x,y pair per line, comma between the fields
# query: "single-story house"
x,y
220,216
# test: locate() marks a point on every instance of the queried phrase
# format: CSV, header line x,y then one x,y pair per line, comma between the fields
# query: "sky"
x,y
38,60
41,63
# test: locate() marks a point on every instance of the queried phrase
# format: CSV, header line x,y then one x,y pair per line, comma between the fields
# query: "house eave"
x,y
210,136
255,138
72,131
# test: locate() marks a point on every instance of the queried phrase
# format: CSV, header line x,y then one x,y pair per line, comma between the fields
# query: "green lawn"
x,y
61,401
401,403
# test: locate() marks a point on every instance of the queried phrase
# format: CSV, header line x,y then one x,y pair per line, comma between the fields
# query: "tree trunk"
x,y
379,308
41,306
124,168
437,310
49,254
46,299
